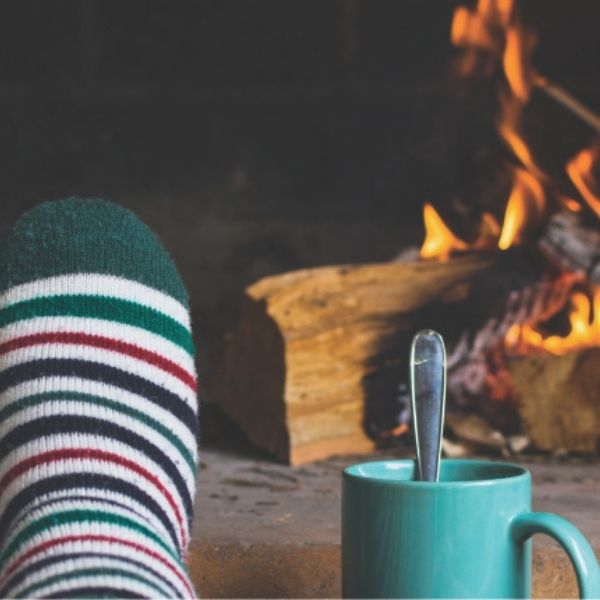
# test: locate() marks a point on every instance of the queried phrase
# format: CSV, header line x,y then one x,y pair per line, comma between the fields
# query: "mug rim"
x,y
520,474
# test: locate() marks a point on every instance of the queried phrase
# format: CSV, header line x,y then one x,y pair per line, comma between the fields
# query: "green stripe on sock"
x,y
99,572
35,399
68,517
100,307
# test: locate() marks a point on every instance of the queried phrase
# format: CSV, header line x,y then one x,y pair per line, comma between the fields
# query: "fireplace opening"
x,y
448,150
506,270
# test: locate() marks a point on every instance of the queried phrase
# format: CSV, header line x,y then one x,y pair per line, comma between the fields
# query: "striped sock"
x,y
97,408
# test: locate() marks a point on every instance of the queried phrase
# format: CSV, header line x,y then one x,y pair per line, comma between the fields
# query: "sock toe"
x,y
86,235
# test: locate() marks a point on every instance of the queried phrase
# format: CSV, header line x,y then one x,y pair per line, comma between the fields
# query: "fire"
x,y
579,170
469,29
516,143
439,242
489,232
493,26
584,318
519,73
491,34
525,207
478,31
509,124
477,27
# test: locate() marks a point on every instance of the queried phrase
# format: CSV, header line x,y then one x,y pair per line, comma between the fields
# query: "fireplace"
x,y
348,147
517,299
263,138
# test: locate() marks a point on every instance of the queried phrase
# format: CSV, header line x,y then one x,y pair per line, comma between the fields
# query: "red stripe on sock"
x,y
96,538
82,453
106,343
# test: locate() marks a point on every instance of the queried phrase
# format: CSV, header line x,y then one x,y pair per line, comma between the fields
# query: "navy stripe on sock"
x,y
94,371
34,567
86,480
61,424
104,591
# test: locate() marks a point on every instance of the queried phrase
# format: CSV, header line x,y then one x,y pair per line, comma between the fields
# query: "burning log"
x,y
573,245
471,372
293,376
558,399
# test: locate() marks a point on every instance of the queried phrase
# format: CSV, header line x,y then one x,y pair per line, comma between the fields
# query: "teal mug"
x,y
465,536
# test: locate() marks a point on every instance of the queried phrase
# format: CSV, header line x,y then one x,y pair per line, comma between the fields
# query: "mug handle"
x,y
571,539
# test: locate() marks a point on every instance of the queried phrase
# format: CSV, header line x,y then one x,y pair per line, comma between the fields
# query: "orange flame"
x,y
516,61
584,332
494,26
489,231
492,35
479,29
525,208
476,27
508,128
468,29
439,242
579,169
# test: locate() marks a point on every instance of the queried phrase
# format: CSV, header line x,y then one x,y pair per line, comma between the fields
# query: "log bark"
x,y
292,374
557,399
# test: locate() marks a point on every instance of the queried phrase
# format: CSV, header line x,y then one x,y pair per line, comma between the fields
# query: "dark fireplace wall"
x,y
255,136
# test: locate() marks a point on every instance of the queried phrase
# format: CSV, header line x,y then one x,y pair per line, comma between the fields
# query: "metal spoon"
x,y
428,395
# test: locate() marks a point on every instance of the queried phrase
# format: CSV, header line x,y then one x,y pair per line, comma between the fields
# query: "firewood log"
x,y
573,244
292,374
558,399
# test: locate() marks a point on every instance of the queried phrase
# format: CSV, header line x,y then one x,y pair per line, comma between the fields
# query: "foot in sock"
x,y
98,413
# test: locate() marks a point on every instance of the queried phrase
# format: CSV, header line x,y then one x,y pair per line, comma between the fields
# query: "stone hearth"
x,y
267,530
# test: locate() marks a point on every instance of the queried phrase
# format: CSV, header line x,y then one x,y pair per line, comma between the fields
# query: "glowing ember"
x,y
572,205
439,242
584,332
579,170
525,207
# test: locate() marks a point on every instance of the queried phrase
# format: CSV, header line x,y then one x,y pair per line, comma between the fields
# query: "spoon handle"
x,y
428,395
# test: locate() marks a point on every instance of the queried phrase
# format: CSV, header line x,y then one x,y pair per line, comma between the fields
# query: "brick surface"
x,y
267,530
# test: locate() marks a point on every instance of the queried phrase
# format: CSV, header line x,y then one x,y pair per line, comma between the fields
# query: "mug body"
x,y
403,538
